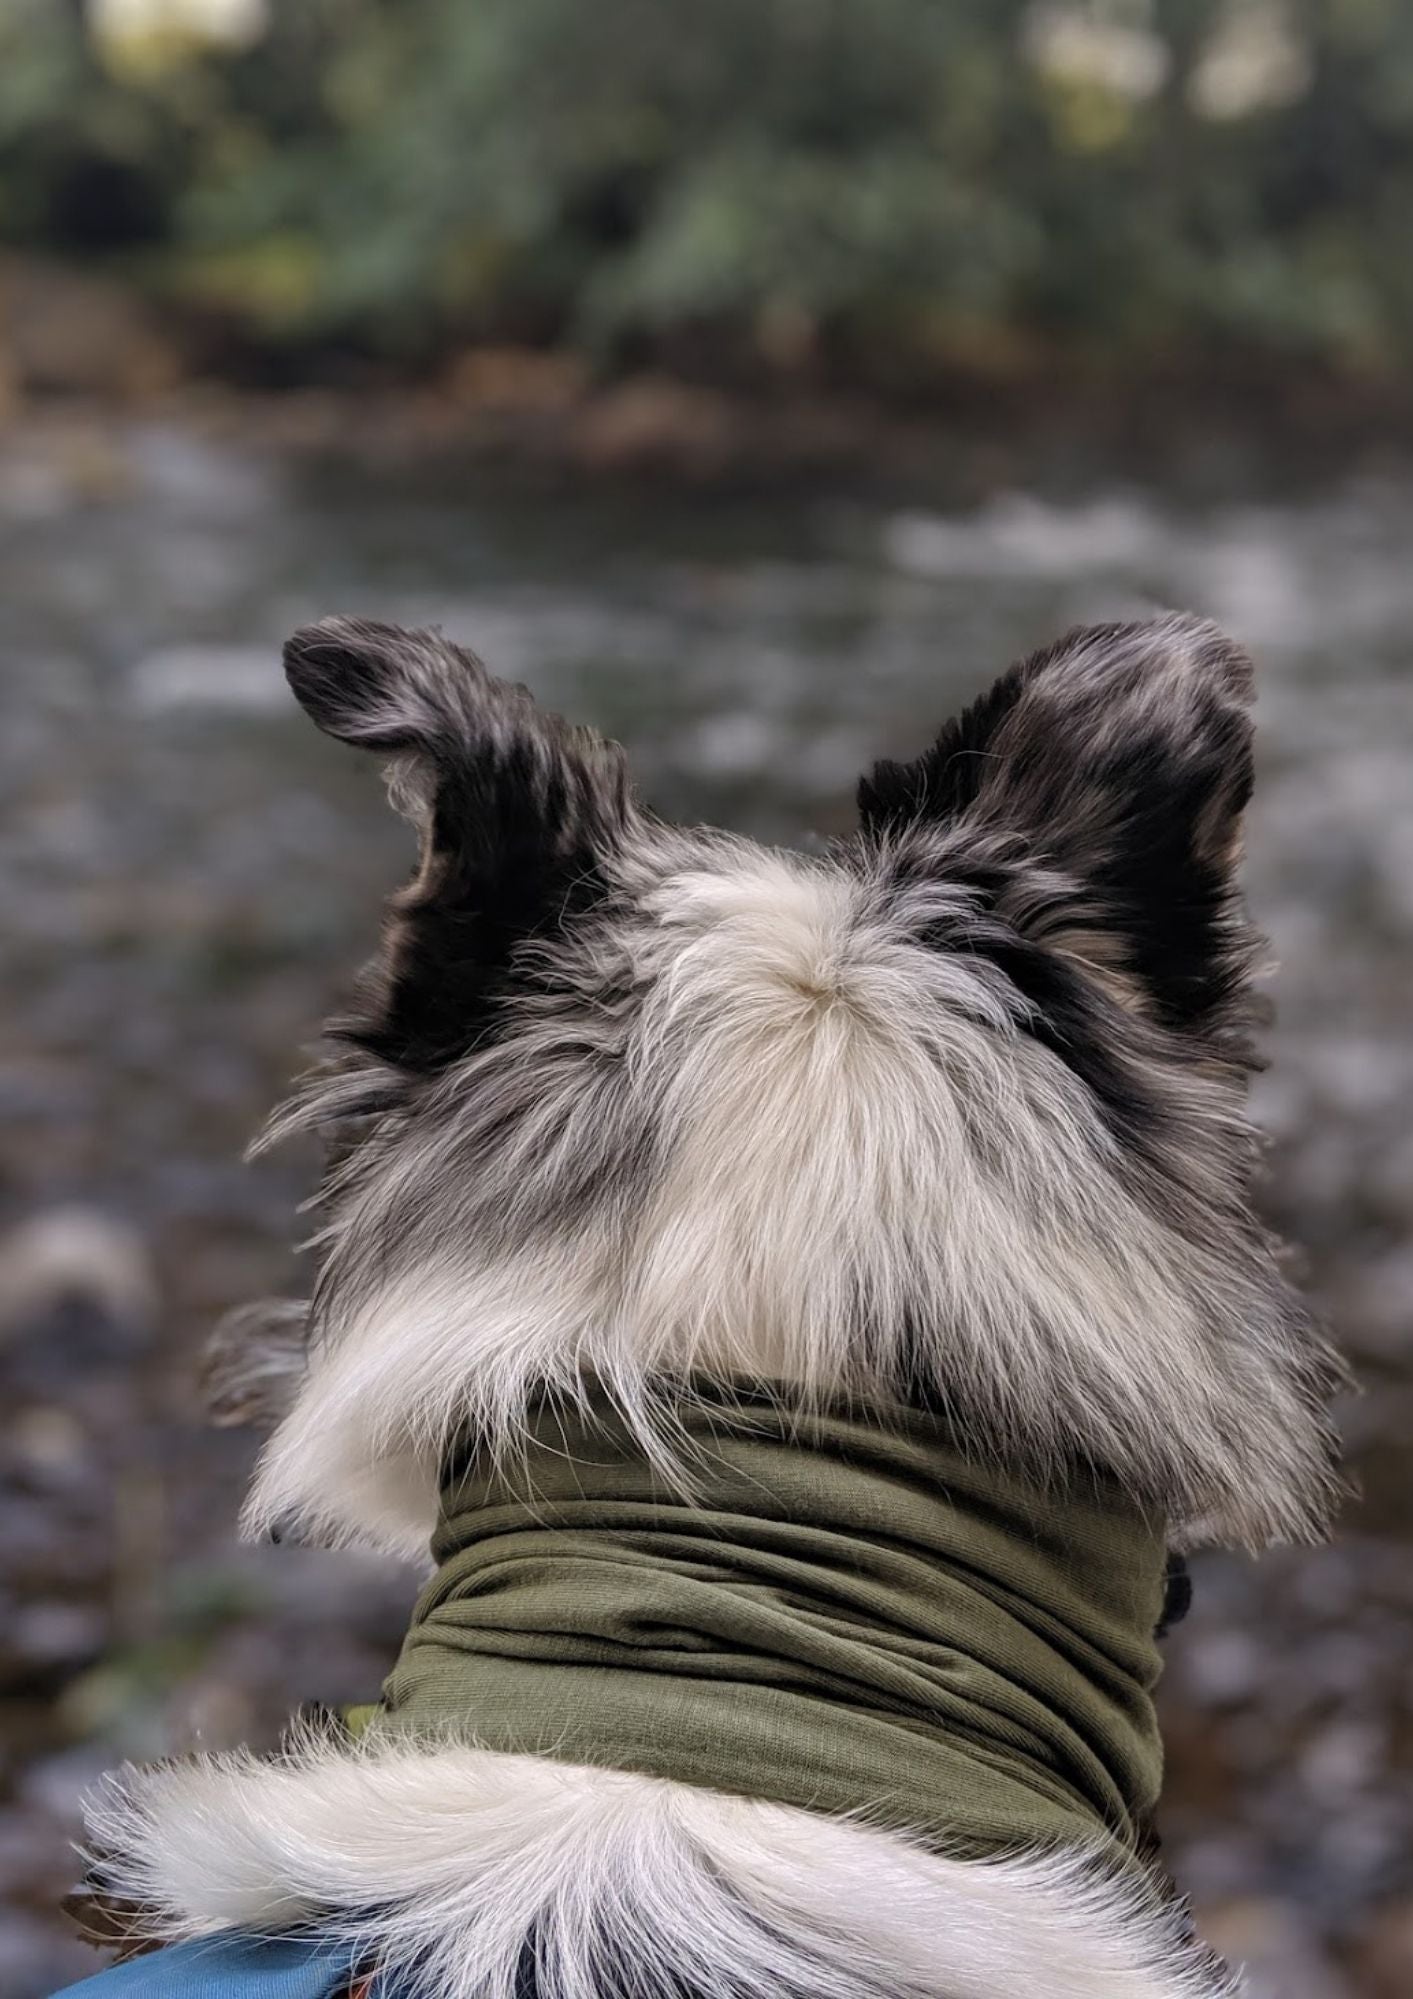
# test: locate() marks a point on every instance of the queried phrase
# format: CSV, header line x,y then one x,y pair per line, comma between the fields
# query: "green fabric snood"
x,y
846,1614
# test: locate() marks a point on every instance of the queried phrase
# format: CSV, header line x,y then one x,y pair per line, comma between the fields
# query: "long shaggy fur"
x,y
956,1112
509,1877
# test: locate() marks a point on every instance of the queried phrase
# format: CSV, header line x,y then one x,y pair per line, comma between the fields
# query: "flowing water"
x,y
190,874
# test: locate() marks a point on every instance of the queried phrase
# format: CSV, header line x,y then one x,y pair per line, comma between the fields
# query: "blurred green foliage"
x,y
886,184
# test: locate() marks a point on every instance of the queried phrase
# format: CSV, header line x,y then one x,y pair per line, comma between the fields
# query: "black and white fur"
x,y
955,1112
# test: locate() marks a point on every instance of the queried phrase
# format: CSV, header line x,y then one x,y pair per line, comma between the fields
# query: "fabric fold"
x,y
839,1611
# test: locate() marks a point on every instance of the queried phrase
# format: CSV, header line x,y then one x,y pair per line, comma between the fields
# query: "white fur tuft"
x,y
456,1862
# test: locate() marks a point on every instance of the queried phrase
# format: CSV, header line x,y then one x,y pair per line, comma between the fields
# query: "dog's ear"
x,y
518,812
1117,764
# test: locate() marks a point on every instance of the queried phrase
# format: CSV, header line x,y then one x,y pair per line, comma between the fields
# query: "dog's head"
x,y
956,1111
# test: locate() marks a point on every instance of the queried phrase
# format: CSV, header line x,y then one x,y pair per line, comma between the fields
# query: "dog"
x,y
805,1302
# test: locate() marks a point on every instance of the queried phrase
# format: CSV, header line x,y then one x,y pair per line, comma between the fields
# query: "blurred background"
x,y
754,380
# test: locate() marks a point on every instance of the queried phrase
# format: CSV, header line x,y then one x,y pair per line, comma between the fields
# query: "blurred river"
x,y
190,874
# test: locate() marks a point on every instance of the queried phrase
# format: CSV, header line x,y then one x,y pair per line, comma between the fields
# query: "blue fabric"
x,y
236,1964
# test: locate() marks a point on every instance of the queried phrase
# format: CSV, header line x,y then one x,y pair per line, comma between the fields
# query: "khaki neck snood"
x,y
844,1613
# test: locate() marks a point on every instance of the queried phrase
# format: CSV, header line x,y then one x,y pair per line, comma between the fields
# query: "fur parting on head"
x,y
955,1111
488,1876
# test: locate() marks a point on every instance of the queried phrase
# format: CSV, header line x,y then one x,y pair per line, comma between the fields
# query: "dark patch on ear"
x,y
1120,759
518,810
1064,1012
344,673
946,779
498,872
